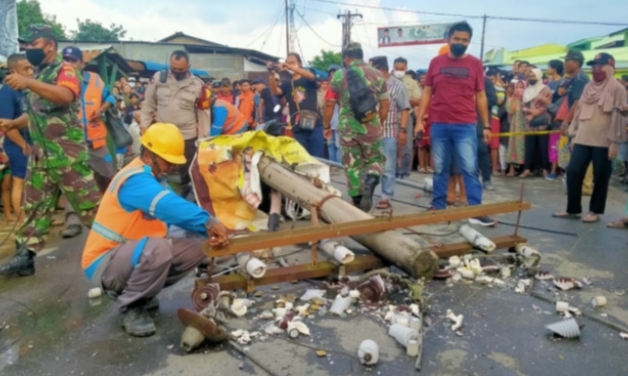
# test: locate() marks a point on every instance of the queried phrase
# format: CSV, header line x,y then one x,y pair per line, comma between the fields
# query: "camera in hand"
x,y
274,67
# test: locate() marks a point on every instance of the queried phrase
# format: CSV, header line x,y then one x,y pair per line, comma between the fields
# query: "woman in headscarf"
x,y
536,97
597,129
516,145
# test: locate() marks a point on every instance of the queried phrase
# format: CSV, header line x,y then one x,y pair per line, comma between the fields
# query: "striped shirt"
x,y
399,101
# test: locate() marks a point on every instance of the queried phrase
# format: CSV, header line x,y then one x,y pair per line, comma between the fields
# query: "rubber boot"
x,y
274,220
21,264
367,190
137,322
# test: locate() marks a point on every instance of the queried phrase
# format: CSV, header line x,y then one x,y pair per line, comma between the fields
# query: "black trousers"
x,y
484,160
536,145
581,157
184,170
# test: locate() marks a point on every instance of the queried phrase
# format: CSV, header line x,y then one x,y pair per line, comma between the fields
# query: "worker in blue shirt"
x,y
127,250
225,118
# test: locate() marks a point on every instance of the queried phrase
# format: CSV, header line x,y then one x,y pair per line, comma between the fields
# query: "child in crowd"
x,y
7,180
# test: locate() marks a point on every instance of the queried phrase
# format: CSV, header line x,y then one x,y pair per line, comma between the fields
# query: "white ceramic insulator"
x,y
477,239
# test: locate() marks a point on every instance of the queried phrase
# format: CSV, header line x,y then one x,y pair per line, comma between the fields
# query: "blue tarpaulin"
x,y
152,66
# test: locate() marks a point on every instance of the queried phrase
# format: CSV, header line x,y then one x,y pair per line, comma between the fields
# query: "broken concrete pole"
x,y
392,246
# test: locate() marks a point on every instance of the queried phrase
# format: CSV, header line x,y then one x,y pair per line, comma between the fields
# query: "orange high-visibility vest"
x,y
91,101
114,226
235,121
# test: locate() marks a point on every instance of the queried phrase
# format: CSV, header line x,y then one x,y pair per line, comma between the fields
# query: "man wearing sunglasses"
x,y
177,97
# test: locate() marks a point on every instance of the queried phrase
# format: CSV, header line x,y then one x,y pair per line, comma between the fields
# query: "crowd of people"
x,y
458,120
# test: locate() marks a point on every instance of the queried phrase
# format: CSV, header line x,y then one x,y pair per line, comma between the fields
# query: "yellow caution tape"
x,y
524,133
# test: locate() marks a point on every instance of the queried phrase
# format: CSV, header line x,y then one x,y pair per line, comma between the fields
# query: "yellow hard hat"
x,y
166,141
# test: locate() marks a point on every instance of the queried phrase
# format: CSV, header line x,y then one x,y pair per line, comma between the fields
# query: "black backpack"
x,y
361,97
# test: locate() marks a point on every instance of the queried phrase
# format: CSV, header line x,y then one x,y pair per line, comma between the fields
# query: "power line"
x,y
522,19
314,31
279,13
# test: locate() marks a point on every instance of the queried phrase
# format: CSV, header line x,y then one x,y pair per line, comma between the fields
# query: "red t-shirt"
x,y
454,84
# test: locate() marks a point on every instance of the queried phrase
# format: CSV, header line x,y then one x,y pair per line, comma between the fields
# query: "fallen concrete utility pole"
x,y
405,182
392,246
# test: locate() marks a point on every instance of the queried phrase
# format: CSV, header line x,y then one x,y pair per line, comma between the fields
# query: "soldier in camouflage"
x,y
361,143
59,160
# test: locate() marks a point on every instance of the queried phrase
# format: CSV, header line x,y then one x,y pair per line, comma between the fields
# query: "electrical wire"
x,y
270,30
522,19
314,31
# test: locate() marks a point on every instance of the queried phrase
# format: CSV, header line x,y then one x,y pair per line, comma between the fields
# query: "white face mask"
x,y
399,74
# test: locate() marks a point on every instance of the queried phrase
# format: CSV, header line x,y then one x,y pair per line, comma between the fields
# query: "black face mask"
x,y
533,82
35,56
457,49
179,75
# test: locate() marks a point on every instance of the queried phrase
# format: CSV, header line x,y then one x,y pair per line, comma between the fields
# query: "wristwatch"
x,y
403,129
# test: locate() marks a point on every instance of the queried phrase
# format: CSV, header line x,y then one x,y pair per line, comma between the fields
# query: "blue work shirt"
x,y
12,106
143,192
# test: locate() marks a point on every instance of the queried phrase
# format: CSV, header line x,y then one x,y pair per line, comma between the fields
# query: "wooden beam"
x,y
316,233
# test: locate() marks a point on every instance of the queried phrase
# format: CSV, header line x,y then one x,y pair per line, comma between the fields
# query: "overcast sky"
x,y
249,23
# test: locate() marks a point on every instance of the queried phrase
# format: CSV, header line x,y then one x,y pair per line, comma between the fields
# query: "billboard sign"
x,y
412,35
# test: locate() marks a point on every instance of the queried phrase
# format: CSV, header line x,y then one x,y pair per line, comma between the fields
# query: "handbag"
x,y
307,119
117,131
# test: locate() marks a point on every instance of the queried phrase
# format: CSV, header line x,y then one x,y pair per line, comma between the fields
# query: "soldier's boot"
x,y
137,322
367,190
72,231
21,264
356,201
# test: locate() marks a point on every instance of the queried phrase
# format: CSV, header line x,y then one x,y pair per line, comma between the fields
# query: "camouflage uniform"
x,y
58,163
361,143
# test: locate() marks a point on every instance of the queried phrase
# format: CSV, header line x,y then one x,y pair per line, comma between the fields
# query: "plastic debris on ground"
x,y
566,328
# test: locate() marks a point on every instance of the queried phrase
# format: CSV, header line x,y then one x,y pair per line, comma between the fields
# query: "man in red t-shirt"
x,y
454,93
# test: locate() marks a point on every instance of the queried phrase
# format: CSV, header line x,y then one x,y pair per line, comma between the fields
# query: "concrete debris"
x,y
476,239
244,337
567,283
303,309
240,306
311,294
620,292
454,262
623,335
543,275
266,315
587,281
505,272
562,307
455,319
297,327
368,352
272,330
567,328
354,294
466,273
403,334
598,301
340,304
484,279
474,266
529,257
96,292
373,289
321,353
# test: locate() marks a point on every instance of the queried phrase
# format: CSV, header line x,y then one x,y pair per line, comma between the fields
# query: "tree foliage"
x,y
325,59
94,31
29,13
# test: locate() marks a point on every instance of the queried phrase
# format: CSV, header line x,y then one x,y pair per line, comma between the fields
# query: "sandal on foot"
x,y
566,215
591,218
383,205
618,224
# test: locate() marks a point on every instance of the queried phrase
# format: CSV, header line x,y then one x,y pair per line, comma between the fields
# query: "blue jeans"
x,y
389,144
313,141
461,139
333,146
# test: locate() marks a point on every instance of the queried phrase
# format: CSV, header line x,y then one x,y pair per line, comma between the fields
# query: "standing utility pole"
x,y
482,43
293,30
287,28
347,22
